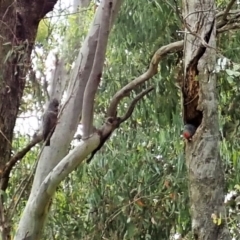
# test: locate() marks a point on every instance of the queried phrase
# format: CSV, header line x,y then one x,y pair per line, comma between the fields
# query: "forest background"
x,y
137,185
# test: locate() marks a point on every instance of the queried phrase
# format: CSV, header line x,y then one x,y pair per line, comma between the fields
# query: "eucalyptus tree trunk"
x,y
205,171
56,162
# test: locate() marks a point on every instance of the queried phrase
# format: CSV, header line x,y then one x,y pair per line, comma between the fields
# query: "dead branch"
x,y
224,19
18,156
232,22
152,70
228,9
96,73
223,23
231,12
228,27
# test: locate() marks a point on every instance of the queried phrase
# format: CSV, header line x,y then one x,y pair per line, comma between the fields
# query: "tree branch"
x,y
69,119
96,73
228,27
18,156
230,23
65,166
58,79
228,9
152,70
231,12
114,122
134,102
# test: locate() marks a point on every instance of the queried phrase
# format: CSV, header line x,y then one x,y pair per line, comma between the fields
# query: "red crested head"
x,y
188,131
186,134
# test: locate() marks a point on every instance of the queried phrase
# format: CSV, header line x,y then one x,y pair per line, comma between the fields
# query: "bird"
x,y
50,120
188,131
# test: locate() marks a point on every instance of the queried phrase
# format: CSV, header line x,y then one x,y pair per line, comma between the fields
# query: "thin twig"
x,y
23,185
18,156
227,10
134,102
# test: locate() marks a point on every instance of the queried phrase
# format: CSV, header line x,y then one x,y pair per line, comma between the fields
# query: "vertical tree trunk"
x,y
35,215
205,172
18,28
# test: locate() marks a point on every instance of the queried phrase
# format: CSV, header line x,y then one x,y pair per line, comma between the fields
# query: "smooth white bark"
x,y
53,166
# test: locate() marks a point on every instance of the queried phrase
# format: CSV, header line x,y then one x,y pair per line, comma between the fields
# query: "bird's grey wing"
x,y
53,117
46,125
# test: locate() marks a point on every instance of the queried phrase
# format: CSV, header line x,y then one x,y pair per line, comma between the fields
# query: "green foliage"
x,y
136,187
229,106
140,185
44,30
20,181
